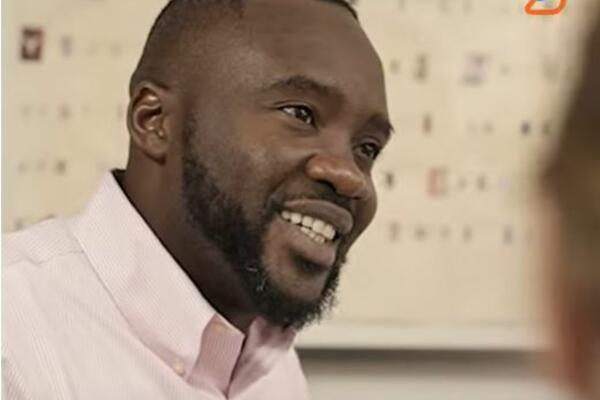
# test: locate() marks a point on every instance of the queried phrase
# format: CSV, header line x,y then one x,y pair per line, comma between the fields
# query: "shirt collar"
x,y
160,303
158,300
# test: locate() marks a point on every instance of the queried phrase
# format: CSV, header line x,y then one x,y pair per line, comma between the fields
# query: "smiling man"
x,y
254,128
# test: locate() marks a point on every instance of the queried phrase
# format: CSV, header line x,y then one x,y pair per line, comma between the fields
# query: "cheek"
x,y
367,210
254,173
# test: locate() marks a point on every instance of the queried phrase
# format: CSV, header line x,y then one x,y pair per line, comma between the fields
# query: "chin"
x,y
306,284
295,291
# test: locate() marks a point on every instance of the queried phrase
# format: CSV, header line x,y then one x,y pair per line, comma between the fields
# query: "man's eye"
x,y
370,150
303,113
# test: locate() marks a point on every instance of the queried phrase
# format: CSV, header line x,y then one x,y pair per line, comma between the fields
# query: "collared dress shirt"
x,y
94,307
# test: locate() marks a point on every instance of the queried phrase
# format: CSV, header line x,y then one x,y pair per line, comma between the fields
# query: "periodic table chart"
x,y
476,90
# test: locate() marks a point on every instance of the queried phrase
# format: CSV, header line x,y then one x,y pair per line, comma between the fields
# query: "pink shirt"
x,y
94,307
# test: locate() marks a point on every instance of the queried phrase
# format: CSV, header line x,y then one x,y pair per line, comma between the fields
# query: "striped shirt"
x,y
94,307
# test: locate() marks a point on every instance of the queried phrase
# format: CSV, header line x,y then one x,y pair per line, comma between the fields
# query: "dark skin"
x,y
291,103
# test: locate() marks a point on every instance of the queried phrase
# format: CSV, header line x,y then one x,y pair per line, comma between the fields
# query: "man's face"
x,y
278,148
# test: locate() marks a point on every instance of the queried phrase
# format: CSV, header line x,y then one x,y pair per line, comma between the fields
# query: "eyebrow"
x,y
301,83
381,123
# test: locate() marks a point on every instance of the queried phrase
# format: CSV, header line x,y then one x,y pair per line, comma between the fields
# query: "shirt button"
x,y
178,367
220,327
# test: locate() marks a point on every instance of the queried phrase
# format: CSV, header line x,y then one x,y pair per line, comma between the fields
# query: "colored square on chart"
x,y
475,70
32,44
437,182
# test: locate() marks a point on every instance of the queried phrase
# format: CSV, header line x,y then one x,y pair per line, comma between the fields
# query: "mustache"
x,y
320,194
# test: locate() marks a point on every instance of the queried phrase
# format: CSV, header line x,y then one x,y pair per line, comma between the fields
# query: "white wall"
x,y
386,375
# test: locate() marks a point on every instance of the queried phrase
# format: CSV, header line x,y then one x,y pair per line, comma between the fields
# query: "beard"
x,y
219,216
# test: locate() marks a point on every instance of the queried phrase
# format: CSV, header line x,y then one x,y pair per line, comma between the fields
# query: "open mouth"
x,y
311,230
318,230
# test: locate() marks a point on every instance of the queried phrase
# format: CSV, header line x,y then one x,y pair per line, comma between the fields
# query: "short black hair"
x,y
176,17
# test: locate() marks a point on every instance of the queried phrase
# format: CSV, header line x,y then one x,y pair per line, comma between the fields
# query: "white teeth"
x,y
310,233
329,232
296,218
316,229
318,226
308,221
324,229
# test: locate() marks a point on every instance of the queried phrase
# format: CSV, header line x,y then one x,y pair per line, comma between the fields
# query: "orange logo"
x,y
532,10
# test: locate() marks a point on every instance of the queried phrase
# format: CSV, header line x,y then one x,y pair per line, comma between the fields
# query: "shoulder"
x,y
39,262
38,244
49,296
46,279
38,267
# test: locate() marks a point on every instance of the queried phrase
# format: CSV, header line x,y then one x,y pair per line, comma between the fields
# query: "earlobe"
x,y
146,120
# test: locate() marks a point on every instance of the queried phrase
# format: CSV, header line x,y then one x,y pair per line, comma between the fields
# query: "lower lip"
x,y
322,255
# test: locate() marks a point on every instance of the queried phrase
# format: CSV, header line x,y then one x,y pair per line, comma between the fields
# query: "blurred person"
x,y
254,126
571,183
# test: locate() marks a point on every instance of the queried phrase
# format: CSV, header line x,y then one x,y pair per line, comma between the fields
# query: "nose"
x,y
341,174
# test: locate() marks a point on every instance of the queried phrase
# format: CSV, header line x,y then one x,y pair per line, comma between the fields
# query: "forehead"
x,y
315,38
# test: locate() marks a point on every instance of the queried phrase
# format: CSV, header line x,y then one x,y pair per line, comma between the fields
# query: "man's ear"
x,y
149,109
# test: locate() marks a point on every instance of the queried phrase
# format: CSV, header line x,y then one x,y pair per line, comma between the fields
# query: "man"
x,y
254,127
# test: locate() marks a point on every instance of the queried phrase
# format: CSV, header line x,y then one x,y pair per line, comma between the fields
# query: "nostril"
x,y
328,184
339,174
